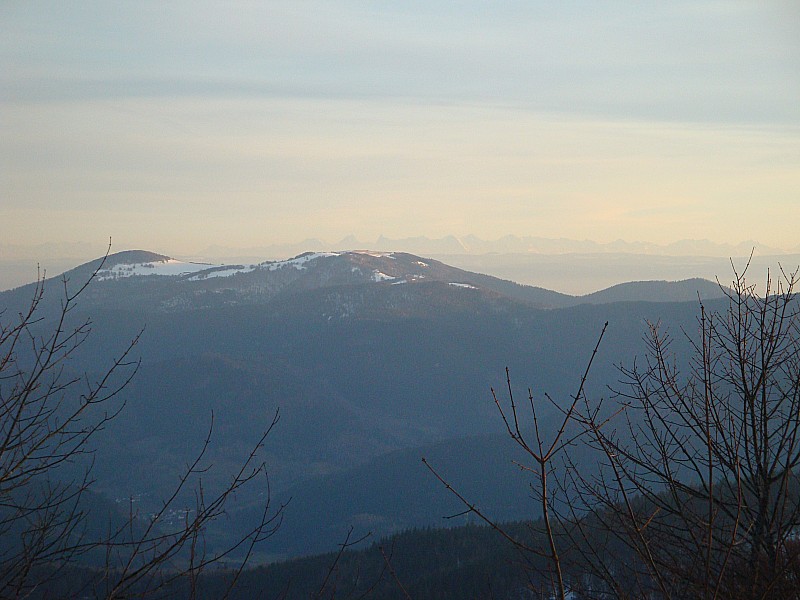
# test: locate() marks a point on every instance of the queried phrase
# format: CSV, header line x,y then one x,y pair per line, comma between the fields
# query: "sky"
x,y
174,126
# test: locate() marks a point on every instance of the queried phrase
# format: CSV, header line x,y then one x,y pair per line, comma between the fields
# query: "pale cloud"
x,y
183,124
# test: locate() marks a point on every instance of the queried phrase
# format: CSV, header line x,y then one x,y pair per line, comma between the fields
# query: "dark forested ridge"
x,y
468,561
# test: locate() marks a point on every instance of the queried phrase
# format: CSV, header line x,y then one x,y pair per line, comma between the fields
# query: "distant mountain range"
x,y
509,244
565,265
427,246
161,282
374,358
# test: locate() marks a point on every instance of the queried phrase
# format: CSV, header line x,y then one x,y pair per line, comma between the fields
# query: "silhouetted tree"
x,y
49,420
699,481
692,490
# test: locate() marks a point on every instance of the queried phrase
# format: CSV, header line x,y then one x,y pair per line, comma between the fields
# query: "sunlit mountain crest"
x,y
373,280
472,244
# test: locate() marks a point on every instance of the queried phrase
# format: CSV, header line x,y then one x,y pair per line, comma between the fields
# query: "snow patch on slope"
x,y
376,254
377,276
221,273
169,267
298,262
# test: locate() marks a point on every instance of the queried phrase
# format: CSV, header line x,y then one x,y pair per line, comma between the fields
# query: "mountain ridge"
x,y
364,353
177,285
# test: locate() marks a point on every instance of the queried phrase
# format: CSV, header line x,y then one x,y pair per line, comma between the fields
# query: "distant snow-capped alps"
x,y
474,245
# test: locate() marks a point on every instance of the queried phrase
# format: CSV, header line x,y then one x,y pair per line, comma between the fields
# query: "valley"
x,y
372,359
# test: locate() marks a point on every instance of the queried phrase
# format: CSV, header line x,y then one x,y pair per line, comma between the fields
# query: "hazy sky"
x,y
173,126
